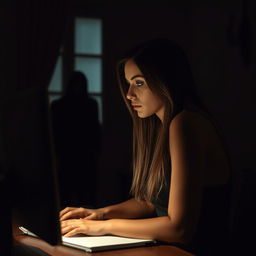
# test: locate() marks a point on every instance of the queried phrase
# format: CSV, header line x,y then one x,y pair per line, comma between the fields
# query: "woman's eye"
x,y
139,83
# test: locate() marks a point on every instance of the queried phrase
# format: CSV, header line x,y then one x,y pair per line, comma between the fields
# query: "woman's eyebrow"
x,y
137,76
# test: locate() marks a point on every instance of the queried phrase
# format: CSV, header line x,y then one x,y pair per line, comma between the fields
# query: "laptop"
x,y
99,243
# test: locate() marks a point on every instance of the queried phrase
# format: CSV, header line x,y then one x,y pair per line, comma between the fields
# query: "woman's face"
x,y
141,97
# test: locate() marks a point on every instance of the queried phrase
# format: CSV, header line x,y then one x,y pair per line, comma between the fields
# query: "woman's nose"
x,y
130,94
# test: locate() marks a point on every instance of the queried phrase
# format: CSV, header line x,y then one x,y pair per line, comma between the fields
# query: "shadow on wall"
x,y
77,136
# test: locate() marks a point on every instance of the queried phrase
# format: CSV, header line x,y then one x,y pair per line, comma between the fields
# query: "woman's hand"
x,y
77,213
83,226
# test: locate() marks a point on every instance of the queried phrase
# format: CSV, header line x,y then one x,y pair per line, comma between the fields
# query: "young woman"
x,y
181,171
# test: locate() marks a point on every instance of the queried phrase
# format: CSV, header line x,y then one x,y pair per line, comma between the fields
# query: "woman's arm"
x,y
129,209
158,228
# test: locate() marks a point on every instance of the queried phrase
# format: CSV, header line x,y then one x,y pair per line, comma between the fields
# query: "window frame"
x,y
67,52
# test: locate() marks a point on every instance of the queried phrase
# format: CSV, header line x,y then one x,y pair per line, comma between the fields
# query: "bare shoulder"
x,y
199,132
189,123
186,140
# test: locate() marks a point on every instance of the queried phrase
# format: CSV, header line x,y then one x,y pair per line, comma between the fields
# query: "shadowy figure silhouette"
x,y
76,132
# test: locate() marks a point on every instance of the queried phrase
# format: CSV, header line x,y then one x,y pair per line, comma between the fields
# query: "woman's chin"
x,y
142,115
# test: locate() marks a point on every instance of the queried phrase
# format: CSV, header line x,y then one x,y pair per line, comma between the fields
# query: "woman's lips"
x,y
136,106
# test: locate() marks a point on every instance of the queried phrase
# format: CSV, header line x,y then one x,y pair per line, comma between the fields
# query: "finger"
x,y
65,223
73,213
65,210
73,232
66,229
72,222
68,225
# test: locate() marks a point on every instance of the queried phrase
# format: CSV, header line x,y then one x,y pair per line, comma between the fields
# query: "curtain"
x,y
39,34
31,36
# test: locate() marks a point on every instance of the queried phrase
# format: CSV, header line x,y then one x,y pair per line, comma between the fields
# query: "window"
x,y
86,57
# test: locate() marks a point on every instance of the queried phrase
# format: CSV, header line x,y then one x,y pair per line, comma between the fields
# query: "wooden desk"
x,y
60,250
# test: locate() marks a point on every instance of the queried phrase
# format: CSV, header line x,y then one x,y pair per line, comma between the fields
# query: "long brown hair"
x,y
167,73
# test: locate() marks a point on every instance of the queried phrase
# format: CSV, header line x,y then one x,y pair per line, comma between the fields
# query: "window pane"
x,y
87,36
91,67
100,107
56,80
